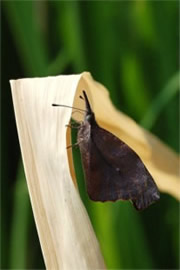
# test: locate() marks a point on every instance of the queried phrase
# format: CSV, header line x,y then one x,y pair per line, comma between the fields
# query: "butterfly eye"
x,y
88,117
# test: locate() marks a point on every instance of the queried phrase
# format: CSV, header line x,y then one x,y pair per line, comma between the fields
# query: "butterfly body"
x,y
113,171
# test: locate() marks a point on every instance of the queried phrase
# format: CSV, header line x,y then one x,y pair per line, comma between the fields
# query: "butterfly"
x,y
113,171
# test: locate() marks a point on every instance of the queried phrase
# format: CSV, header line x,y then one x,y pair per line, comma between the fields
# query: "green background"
x,y
132,48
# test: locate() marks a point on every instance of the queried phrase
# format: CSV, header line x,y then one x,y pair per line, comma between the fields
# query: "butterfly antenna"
x,y
88,107
66,106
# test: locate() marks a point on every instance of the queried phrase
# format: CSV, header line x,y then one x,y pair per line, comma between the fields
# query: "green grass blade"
x,y
70,30
59,64
20,221
162,99
23,21
102,219
134,88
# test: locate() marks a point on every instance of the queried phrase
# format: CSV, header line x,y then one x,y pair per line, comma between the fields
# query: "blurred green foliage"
x,y
132,48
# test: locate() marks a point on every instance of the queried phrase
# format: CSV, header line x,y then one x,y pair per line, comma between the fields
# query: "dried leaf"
x,y
66,234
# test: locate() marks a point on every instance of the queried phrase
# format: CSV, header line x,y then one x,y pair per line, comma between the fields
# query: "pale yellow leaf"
x,y
66,234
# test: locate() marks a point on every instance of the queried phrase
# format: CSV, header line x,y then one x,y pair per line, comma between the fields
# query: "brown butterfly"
x,y
113,171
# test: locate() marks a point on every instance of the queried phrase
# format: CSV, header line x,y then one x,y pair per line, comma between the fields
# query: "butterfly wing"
x,y
113,171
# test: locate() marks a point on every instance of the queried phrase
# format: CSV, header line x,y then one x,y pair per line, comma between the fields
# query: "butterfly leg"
x,y
73,145
73,126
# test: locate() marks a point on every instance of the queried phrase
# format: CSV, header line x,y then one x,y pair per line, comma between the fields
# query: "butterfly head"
x,y
90,117
89,113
